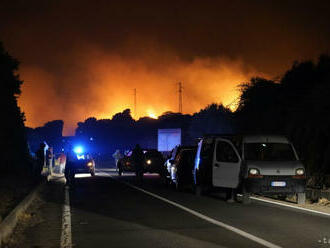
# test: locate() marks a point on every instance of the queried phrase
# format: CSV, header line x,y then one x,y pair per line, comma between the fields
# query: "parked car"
x,y
170,161
264,164
152,162
125,164
182,168
85,164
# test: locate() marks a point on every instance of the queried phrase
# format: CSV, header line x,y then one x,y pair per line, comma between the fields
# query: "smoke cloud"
x,y
93,82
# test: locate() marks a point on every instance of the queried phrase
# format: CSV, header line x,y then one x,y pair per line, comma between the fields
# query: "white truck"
x,y
168,139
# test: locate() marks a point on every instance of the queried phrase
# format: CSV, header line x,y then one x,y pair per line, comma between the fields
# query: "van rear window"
x,y
269,152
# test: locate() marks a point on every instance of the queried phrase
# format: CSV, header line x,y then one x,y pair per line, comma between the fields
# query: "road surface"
x,y
112,211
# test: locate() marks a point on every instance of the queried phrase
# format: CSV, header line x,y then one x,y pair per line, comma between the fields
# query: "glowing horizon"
x,y
107,83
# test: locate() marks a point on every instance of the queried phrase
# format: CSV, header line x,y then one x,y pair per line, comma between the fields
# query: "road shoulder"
x,y
40,225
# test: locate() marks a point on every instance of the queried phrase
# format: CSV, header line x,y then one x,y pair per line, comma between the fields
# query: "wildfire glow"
x,y
106,84
151,114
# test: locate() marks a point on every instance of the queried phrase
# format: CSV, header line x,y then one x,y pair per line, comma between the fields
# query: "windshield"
x,y
269,152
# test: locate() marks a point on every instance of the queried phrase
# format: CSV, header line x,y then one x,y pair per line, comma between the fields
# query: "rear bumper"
x,y
264,185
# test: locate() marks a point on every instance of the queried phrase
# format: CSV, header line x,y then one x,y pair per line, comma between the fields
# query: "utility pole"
x,y
135,103
180,97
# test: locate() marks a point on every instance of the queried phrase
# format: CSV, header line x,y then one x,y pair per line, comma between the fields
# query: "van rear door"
x,y
226,165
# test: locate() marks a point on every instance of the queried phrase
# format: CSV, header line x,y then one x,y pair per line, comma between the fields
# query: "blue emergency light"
x,y
78,149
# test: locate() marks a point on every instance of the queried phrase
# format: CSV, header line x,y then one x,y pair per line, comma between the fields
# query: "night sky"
x,y
84,58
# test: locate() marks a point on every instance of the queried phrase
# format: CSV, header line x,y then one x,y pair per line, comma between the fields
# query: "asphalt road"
x,y
107,211
112,211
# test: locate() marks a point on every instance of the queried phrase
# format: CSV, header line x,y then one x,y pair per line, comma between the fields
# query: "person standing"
x,y
62,160
137,157
69,172
40,154
50,156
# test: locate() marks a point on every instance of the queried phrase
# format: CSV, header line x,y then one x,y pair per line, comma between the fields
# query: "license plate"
x,y
278,184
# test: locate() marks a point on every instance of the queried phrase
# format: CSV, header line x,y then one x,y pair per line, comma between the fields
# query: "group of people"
x,y
137,158
45,158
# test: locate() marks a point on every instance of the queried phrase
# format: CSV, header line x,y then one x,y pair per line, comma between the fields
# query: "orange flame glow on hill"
x,y
103,85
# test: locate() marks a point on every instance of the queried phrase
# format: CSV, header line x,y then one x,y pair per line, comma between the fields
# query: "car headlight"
x,y
148,161
300,172
89,164
254,171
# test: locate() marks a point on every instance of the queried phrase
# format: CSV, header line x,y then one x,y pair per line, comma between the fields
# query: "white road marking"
x,y
281,204
289,206
208,219
66,238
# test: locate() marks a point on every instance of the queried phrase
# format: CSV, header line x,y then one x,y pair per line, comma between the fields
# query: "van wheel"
x,y
301,198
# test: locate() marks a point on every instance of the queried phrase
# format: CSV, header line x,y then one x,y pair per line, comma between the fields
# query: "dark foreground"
x,y
108,212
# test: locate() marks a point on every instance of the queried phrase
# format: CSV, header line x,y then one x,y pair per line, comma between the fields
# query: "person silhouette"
x,y
137,157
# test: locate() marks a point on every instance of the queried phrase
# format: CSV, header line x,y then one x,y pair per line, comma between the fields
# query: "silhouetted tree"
x,y
13,140
258,109
212,119
51,132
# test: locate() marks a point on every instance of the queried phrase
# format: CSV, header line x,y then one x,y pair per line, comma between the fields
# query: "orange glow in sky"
x,y
103,85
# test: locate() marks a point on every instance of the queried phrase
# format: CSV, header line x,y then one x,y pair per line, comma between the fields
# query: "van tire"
x,y
301,198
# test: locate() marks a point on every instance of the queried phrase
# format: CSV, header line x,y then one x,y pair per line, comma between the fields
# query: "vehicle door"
x,y
226,165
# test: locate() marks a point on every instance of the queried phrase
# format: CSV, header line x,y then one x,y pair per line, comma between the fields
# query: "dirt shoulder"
x,y
40,225
13,189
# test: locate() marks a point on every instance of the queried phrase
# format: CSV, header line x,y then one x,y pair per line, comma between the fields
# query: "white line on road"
x,y
208,219
66,239
289,206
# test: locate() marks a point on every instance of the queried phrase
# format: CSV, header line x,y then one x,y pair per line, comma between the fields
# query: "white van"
x,y
264,164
